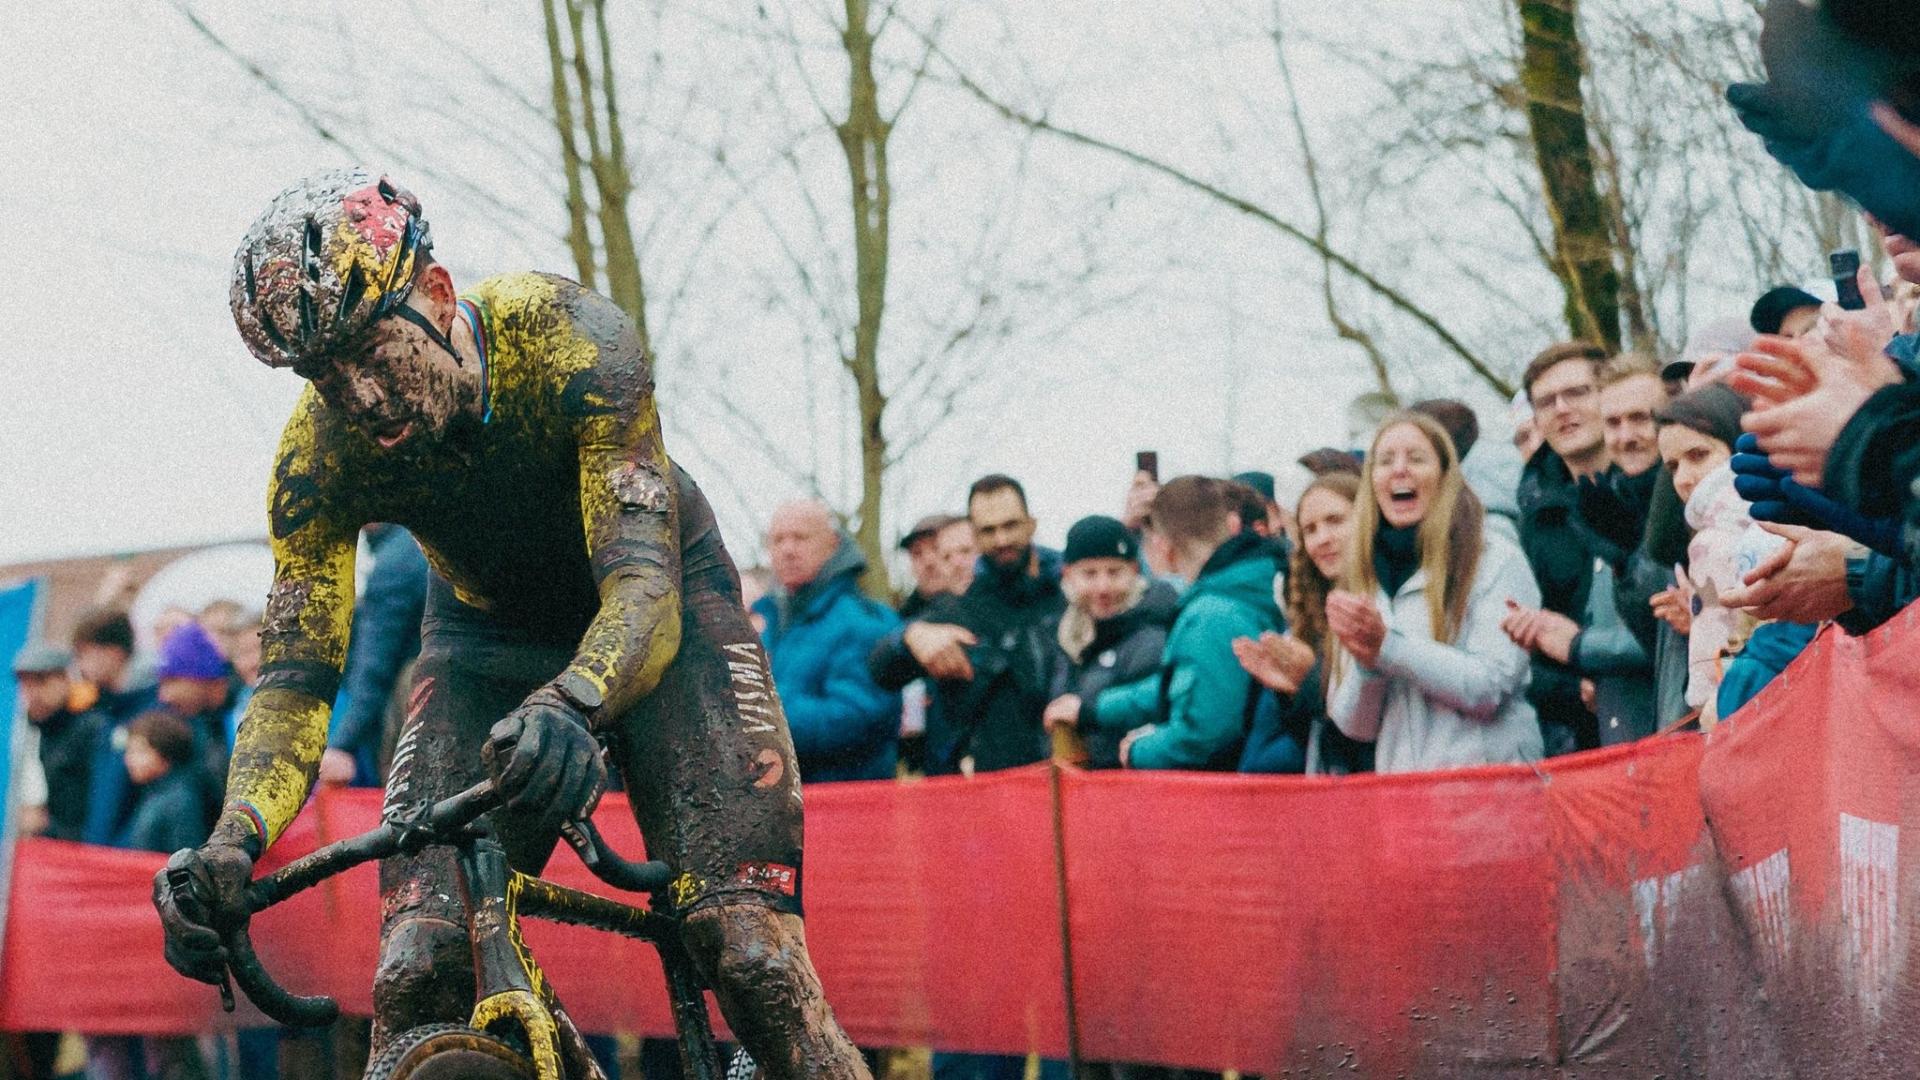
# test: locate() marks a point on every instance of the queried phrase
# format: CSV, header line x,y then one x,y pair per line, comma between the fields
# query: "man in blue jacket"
x,y
819,632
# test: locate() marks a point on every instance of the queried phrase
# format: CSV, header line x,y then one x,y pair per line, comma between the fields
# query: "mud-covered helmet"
x,y
330,257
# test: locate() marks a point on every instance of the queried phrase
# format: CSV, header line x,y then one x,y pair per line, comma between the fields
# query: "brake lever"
x,y
610,866
181,882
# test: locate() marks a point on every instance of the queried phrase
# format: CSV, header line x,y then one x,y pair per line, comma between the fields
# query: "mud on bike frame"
x,y
514,1003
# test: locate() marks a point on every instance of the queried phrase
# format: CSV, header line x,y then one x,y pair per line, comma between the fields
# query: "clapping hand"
x,y
1675,606
1064,709
1357,623
1278,661
941,648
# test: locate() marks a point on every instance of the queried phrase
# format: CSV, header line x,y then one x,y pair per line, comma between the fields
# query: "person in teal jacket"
x,y
1193,713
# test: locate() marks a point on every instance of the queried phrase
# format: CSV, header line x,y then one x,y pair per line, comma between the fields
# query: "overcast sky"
x,y
131,417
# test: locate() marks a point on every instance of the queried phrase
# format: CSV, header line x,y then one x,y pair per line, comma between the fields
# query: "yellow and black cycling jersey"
x,y
553,511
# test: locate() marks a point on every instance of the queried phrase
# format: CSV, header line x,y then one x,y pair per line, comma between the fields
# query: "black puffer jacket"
x,y
1560,549
69,742
994,717
1124,648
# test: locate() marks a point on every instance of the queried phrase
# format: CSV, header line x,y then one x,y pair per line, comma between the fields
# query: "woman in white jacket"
x,y
1419,663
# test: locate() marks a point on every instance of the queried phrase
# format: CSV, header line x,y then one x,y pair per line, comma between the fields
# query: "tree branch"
x,y
1393,296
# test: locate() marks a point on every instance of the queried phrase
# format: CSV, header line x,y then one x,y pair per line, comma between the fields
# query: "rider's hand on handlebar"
x,y
545,760
211,894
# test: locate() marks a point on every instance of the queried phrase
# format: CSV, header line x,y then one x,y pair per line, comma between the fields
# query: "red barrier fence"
x,y
1719,907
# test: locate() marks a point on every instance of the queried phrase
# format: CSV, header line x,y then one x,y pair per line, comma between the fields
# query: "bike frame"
x,y
509,986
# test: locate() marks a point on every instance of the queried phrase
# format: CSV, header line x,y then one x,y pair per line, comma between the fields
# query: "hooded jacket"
x,y
1122,649
1492,470
1429,705
166,814
1199,704
844,726
993,717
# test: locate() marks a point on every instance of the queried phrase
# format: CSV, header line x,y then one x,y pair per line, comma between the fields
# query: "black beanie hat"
x,y
1101,537
1775,305
1712,410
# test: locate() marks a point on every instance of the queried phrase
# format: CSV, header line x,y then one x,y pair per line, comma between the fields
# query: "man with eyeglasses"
x,y
1563,385
582,608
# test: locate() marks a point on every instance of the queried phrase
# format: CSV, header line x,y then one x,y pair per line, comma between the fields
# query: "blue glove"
x,y
1854,156
1776,497
1813,112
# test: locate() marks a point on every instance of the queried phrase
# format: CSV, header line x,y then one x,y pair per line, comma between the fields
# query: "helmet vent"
x,y
253,290
308,317
274,335
356,287
312,259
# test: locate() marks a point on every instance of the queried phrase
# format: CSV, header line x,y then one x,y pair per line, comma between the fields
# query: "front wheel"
x,y
449,1052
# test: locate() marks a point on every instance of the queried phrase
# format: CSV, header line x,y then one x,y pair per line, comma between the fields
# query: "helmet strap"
x,y
426,326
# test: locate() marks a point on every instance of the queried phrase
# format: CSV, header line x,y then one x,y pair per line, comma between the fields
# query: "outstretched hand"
x,y
1804,581
1538,630
1860,336
941,648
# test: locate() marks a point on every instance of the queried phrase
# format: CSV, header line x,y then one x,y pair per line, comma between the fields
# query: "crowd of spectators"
x,y
131,751
1429,600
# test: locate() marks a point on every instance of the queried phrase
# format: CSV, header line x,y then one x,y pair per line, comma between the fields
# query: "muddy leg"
x,y
756,960
460,688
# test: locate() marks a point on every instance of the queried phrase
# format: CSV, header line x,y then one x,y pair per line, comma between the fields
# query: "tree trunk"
x,y
616,186
1550,68
863,137
578,239
611,179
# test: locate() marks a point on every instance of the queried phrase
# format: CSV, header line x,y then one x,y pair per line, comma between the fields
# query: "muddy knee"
x,y
751,952
756,960
425,976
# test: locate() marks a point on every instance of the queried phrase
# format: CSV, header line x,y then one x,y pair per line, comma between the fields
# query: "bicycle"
x,y
518,1029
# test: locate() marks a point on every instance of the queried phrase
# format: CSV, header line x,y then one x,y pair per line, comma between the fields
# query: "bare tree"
x,y
877,375
1314,240
1669,184
596,90
864,134
1347,329
579,241
1552,67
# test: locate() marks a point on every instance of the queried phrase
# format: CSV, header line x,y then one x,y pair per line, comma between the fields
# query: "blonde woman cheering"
x,y
1420,665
